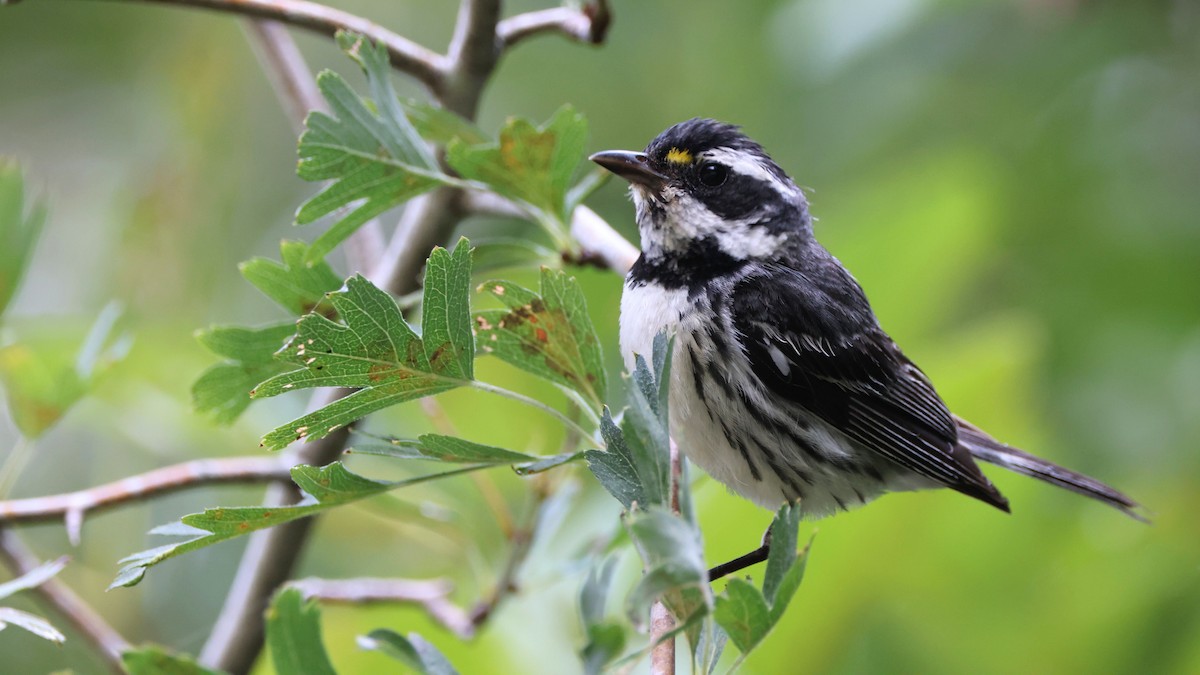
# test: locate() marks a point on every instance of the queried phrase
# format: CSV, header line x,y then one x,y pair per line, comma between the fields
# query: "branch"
x,y
599,243
588,24
71,607
407,56
662,624
72,506
432,595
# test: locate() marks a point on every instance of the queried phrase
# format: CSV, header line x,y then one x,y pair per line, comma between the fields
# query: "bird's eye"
x,y
712,174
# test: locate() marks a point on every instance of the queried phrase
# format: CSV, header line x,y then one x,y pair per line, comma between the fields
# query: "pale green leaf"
x,y
34,577
20,225
155,660
413,651
223,390
298,283
673,555
294,635
30,622
743,613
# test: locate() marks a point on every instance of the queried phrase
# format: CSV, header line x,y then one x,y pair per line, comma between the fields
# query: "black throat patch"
x,y
701,262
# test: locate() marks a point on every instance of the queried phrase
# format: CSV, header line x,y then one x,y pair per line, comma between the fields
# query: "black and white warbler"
x,y
783,385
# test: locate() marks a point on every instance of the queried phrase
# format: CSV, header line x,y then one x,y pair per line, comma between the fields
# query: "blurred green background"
x,y
1016,183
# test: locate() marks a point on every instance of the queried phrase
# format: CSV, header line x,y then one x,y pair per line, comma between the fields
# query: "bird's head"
x,y
705,184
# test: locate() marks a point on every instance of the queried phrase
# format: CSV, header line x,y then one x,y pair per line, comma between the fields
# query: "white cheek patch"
x,y
750,166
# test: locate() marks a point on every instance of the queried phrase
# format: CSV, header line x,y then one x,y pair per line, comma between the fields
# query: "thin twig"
x,y
107,641
662,623
73,506
285,67
588,24
407,56
598,241
433,595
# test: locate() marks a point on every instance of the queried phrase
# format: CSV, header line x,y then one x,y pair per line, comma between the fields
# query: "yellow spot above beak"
x,y
678,156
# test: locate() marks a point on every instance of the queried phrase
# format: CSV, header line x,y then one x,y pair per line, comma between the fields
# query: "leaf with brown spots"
x,y
376,351
324,488
533,165
548,334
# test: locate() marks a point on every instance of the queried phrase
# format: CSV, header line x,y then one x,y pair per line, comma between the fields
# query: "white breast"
x,y
646,311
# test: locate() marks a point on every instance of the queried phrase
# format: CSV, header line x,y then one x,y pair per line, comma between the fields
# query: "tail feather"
x,y
988,449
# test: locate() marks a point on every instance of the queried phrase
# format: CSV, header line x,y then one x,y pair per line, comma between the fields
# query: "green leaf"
x,y
413,651
325,488
376,158
743,613
435,123
223,390
155,660
749,615
294,636
782,557
43,382
673,556
605,642
439,448
533,165
605,639
20,226
34,577
376,351
435,448
299,284
30,622
548,333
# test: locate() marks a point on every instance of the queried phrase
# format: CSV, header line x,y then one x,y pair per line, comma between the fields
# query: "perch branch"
x,y
433,595
407,56
588,24
71,607
73,506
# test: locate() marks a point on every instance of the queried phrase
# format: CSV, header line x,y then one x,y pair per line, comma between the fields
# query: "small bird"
x,y
783,385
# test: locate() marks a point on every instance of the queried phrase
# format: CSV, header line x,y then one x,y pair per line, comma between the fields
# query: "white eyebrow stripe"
x,y
748,165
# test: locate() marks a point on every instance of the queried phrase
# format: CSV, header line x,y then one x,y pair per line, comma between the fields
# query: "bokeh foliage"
x,y
1013,181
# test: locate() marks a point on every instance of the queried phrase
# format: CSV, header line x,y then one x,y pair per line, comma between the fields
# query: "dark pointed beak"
x,y
632,166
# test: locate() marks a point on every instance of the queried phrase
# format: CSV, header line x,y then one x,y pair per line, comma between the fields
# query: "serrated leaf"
x,y
155,660
376,158
743,613
376,351
325,487
294,635
548,333
673,556
20,225
30,622
615,467
34,577
435,448
438,448
413,651
530,164
435,123
298,284
223,390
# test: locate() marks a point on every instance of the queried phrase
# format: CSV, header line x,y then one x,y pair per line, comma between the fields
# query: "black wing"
x,y
811,338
